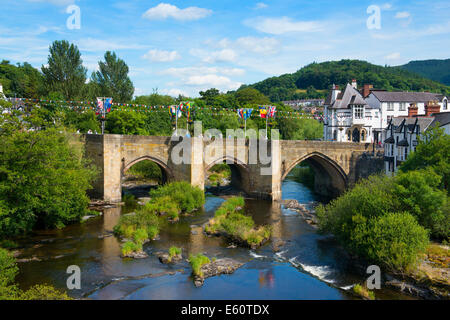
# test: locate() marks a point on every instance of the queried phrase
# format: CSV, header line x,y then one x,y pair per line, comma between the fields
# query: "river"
x,y
308,266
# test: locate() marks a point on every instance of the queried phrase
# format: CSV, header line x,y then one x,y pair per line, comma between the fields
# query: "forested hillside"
x,y
437,70
315,79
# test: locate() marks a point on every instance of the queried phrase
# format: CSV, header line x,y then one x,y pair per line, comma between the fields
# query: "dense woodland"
x,y
437,70
314,80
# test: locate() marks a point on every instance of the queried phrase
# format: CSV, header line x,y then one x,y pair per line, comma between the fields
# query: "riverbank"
x,y
429,280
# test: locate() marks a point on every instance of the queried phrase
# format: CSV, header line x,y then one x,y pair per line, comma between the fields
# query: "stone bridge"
x,y
258,166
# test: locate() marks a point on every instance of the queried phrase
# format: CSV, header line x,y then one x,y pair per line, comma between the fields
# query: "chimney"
x,y
354,84
412,110
334,92
366,90
432,107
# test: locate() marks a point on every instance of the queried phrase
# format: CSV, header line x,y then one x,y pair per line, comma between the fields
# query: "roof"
x,y
443,118
422,122
403,96
350,96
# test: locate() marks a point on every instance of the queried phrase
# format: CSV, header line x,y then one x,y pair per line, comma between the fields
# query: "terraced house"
x,y
403,133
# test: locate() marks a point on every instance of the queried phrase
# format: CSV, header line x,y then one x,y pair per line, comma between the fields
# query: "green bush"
x,y
395,240
163,206
362,218
418,193
8,272
43,292
229,220
140,236
142,219
197,261
369,198
130,247
187,197
9,289
363,292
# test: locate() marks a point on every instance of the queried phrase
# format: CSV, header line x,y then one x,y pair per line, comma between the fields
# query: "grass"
x,y
362,291
173,251
197,261
130,247
188,198
230,220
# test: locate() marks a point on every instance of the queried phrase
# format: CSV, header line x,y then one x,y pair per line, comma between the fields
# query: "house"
x,y
395,104
348,118
402,133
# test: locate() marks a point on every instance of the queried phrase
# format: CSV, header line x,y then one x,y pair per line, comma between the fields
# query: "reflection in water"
x,y
266,279
309,265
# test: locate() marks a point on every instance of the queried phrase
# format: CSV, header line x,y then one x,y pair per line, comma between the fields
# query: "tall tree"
x,y
112,78
65,72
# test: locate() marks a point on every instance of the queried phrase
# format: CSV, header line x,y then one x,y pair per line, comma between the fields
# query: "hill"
x,y
321,76
437,70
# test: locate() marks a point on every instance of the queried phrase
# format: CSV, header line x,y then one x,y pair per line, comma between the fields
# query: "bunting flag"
x,y
108,104
272,110
99,106
247,113
263,112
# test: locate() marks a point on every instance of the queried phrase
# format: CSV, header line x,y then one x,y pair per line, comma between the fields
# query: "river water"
x,y
308,266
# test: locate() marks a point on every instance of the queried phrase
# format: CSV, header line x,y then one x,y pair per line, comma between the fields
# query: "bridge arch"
x,y
240,172
330,178
167,173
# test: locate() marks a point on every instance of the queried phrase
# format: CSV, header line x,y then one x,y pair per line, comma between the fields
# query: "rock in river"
x,y
215,268
164,257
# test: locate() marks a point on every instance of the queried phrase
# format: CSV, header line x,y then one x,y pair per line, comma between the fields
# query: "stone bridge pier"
x,y
258,166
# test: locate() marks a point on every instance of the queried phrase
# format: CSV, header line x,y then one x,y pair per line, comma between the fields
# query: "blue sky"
x,y
187,46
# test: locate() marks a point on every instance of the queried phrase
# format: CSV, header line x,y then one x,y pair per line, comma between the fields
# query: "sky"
x,y
183,47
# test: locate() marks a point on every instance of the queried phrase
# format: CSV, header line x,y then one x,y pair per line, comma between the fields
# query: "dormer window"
x,y
358,111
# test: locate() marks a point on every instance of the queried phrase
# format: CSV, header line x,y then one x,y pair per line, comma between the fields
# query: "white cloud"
x,y
386,6
212,80
164,10
224,55
174,92
402,15
161,55
259,45
188,71
261,5
283,25
393,56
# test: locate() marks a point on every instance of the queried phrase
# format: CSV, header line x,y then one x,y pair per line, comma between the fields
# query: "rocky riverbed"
x,y
215,268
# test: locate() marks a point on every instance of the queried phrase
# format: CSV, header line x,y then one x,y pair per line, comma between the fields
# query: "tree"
x,y
43,177
112,78
433,150
65,72
126,122
209,96
251,96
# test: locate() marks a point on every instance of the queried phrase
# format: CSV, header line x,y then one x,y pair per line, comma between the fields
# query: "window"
x,y
444,106
390,106
402,106
359,112
376,114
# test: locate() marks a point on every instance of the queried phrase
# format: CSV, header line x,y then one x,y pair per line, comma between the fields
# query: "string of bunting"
x,y
90,105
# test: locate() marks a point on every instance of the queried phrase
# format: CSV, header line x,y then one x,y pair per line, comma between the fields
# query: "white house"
x,y
402,133
395,104
348,118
